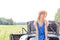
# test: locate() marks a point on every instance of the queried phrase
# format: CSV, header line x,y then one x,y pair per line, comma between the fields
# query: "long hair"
x,y
40,13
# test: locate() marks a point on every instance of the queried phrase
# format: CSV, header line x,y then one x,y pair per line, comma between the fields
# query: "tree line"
x,y
4,21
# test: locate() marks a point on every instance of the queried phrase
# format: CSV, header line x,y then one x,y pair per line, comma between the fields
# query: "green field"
x,y
6,30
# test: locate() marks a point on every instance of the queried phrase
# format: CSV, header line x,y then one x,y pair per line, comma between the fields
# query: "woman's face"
x,y
43,16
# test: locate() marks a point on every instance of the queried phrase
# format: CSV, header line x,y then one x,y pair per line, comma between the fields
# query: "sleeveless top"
x,y
41,31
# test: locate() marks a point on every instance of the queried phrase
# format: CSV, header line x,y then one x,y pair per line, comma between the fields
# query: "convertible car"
x,y
53,32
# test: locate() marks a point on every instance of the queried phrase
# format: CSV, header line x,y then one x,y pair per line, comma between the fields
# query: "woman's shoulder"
x,y
46,22
35,22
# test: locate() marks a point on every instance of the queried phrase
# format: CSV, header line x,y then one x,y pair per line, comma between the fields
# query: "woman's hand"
x,y
46,38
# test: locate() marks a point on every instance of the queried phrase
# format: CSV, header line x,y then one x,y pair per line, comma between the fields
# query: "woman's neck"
x,y
41,20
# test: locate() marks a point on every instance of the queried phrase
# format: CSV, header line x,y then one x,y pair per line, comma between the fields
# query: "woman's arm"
x,y
46,30
36,30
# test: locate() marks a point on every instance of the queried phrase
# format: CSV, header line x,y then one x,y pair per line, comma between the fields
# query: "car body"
x,y
53,31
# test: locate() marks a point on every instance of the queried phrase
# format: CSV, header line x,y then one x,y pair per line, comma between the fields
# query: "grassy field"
x,y
6,30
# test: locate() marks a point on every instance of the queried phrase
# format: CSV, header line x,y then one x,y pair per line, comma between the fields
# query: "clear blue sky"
x,y
26,10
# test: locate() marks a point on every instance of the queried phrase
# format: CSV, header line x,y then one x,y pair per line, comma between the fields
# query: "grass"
x,y
6,30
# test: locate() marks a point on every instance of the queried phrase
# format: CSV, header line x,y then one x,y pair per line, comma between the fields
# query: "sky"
x,y
27,10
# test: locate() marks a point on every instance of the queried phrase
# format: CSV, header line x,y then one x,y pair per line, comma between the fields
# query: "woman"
x,y
41,26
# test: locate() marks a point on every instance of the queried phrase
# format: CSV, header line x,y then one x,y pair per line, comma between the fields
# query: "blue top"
x,y
41,31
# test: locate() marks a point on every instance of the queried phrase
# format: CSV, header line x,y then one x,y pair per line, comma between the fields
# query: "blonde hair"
x,y
42,12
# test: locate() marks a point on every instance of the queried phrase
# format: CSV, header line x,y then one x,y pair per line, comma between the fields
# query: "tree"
x,y
57,16
4,21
